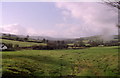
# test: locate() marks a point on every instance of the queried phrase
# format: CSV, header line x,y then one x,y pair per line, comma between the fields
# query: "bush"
x,y
87,45
54,45
16,47
50,46
10,47
38,47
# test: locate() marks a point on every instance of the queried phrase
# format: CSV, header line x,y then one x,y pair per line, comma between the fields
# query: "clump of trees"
x,y
11,47
57,45
38,47
51,45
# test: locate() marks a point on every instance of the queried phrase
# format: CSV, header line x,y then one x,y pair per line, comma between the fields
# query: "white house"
x,y
2,47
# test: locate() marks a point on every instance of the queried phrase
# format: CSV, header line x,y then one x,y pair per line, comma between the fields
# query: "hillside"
x,y
99,37
5,35
20,43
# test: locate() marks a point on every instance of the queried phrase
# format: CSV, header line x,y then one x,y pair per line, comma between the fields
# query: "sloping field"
x,y
97,61
20,43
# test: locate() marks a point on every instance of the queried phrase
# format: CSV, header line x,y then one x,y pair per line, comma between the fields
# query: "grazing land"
x,y
94,61
21,43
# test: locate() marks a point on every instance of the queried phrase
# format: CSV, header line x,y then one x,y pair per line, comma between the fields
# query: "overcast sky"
x,y
58,19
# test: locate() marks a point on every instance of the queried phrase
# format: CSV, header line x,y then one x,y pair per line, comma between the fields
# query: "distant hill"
x,y
46,37
97,37
32,37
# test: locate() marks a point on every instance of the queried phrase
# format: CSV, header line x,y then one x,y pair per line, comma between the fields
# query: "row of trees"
x,y
95,43
23,39
11,47
63,45
60,45
13,37
50,46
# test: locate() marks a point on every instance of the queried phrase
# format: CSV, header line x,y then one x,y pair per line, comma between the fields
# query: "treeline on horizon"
x,y
55,44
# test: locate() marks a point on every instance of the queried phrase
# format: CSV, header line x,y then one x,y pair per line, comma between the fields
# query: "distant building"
x,y
3,47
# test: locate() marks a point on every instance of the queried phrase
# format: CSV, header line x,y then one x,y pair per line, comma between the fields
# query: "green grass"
x,y
20,43
96,61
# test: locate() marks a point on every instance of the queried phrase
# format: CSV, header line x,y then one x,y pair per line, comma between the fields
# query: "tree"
x,y
17,38
16,46
9,35
10,47
44,40
114,3
47,41
81,43
27,37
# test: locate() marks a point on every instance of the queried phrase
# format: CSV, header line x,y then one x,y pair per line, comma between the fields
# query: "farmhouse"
x,y
2,47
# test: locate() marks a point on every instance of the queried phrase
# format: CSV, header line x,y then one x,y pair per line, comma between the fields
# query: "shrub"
x,y
16,47
39,47
10,47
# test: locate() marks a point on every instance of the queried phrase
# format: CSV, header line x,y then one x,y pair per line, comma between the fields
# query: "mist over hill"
x,y
32,37
96,37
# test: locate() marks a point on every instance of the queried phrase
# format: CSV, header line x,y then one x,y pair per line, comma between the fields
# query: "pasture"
x,y
94,61
21,43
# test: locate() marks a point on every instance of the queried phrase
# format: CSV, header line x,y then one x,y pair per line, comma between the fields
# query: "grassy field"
x,y
96,61
21,44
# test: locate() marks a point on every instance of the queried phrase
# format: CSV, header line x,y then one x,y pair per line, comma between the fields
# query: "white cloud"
x,y
80,19
20,30
98,19
13,29
39,32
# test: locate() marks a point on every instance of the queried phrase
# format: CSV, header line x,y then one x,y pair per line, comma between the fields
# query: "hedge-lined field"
x,y
96,61
20,43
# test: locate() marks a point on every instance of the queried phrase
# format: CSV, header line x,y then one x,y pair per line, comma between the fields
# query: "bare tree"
x,y
115,3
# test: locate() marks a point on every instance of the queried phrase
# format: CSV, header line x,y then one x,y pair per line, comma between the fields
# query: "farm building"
x,y
2,47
